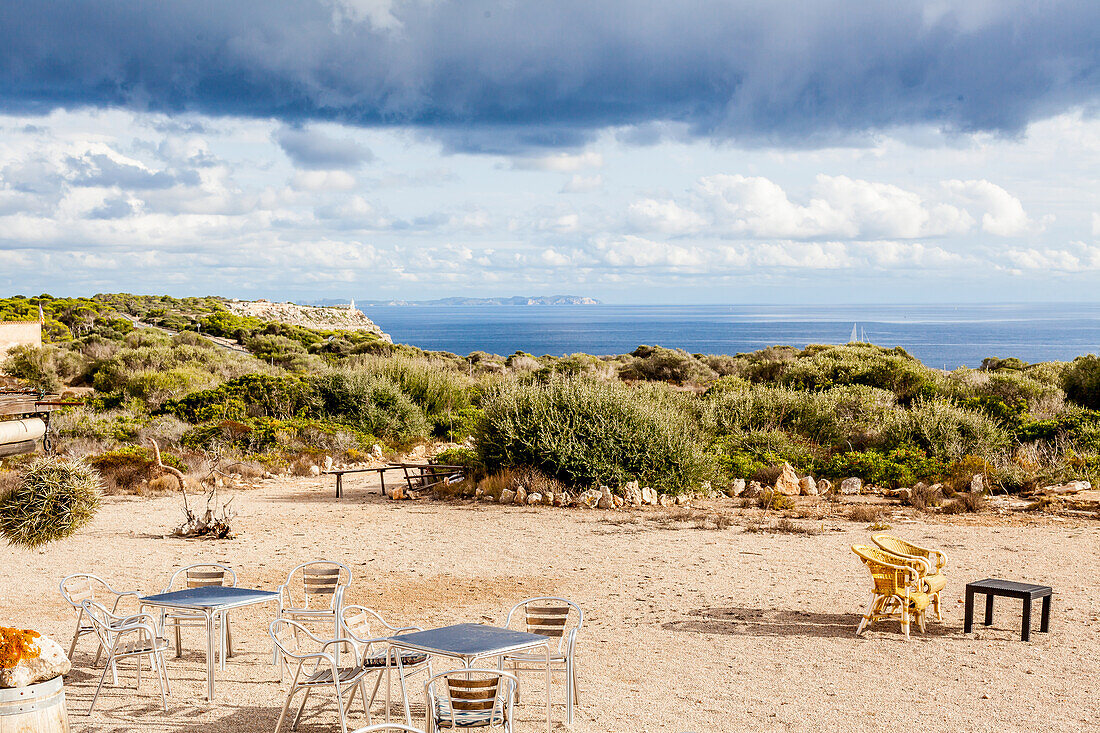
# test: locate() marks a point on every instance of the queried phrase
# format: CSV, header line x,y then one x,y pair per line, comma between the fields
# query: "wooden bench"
x,y
418,476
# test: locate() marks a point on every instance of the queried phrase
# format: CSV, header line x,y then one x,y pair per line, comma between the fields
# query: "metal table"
x,y
468,643
211,601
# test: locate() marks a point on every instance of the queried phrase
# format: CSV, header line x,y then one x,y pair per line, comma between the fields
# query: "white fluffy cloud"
x,y
1002,213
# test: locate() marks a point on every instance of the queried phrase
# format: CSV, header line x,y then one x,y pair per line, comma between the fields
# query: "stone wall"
x,y
19,333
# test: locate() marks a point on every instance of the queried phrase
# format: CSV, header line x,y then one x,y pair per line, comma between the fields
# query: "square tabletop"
x,y
469,640
1009,587
209,597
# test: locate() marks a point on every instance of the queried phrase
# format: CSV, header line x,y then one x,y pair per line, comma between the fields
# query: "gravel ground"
x,y
688,627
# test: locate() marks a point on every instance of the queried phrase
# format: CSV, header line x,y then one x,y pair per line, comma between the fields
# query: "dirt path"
x,y
687,629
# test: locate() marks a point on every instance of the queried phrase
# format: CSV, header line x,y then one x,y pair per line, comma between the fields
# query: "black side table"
x,y
1025,591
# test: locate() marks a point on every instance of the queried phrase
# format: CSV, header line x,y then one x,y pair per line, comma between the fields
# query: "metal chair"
x,y
128,636
80,587
470,698
387,728
359,623
557,618
200,575
314,591
320,667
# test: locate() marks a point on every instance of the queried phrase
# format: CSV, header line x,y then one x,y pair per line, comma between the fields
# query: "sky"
x,y
837,151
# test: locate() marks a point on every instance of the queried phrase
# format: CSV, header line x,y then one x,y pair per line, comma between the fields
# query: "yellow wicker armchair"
x,y
897,593
931,567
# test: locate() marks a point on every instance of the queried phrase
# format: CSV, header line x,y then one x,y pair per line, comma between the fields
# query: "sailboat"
x,y
854,337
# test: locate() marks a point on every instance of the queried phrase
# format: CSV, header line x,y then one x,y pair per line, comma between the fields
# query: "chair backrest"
x,y
287,635
484,693
202,575
892,574
359,624
101,620
322,583
548,616
933,559
80,587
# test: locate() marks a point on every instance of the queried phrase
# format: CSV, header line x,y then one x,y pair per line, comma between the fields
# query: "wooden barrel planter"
x,y
34,709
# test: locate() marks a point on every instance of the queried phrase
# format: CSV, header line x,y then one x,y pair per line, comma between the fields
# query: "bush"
x,y
820,367
965,503
373,404
1081,381
585,432
656,363
923,496
123,470
251,395
746,455
52,499
46,368
899,467
443,393
944,431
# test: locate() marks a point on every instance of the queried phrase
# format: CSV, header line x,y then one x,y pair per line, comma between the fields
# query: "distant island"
x,y
514,300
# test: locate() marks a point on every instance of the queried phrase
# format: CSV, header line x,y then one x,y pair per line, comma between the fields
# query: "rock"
x,y
51,662
787,483
479,492
268,476
398,492
314,470
808,486
904,495
649,496
507,496
977,484
824,486
590,498
606,501
559,499
665,500
548,498
737,487
632,493
851,485
620,502
1072,487
535,498
328,464
681,499
376,451
753,490
521,495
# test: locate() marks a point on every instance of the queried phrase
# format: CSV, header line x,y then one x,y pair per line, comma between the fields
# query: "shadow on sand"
x,y
783,622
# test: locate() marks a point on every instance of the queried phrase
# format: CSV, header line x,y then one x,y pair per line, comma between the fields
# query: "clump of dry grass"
x,y
783,526
966,503
922,497
773,500
879,526
865,513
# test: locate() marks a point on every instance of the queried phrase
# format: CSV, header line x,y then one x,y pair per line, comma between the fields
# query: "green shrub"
x,y
46,368
1081,381
899,467
443,393
251,395
944,431
820,367
51,500
656,363
586,432
745,455
371,403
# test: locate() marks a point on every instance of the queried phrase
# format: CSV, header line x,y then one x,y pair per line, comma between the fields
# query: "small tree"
x,y
1081,381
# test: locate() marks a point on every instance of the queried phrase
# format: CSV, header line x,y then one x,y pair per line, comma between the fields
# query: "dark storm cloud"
x,y
517,74
314,150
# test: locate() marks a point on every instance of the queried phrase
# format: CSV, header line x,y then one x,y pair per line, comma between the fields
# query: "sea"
x,y
943,336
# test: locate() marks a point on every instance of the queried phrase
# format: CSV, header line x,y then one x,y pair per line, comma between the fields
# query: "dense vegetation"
x,y
665,417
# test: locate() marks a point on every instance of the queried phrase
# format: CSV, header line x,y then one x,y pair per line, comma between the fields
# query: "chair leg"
x,y
179,642
99,687
137,686
573,674
936,606
298,717
76,634
569,690
286,706
160,669
340,709
228,634
867,616
905,620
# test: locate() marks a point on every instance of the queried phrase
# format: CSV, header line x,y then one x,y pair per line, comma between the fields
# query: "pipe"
x,y
20,431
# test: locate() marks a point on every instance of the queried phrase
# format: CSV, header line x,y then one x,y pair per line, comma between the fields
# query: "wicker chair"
x,y
897,593
932,564
359,624
129,636
80,587
320,667
314,591
557,618
470,698
200,576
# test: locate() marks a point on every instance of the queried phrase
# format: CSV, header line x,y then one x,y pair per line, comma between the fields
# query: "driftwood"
x,y
214,522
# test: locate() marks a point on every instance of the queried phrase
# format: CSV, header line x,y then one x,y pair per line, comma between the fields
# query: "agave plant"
x,y
51,500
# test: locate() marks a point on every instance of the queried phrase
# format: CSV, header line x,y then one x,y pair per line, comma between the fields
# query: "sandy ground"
x,y
687,628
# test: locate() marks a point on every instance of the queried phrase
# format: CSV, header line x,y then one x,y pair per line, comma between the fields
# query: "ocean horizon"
x,y
942,335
